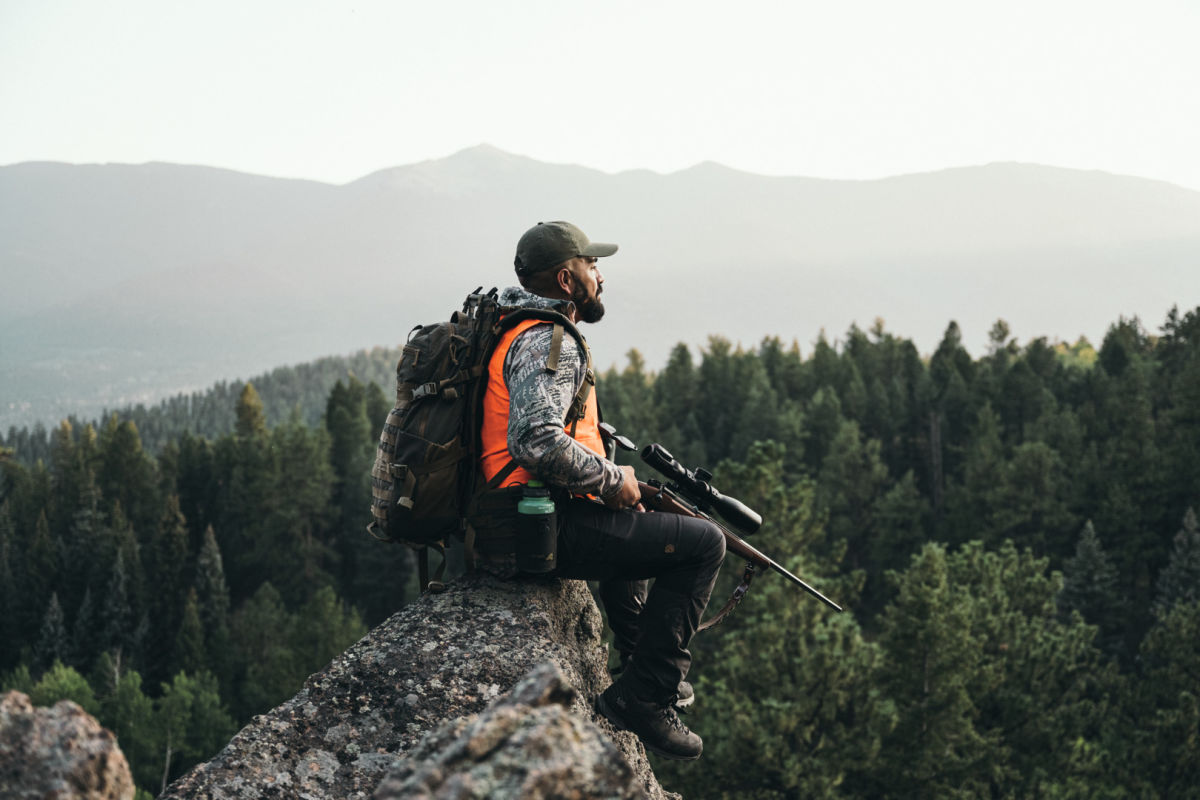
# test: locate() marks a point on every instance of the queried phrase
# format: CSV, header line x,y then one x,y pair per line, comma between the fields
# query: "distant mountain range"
x,y
127,283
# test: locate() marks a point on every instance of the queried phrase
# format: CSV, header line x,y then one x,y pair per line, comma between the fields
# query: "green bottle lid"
x,y
535,500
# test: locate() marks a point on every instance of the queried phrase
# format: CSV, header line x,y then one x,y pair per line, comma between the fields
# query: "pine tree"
x,y
824,368
167,554
213,596
323,628
1043,691
1179,582
211,590
674,394
120,538
378,407
758,420
83,632
126,473
247,471
797,713
952,372
1166,749
86,552
291,545
852,481
9,607
931,665
995,697
1128,500
1090,588
251,421
116,616
351,454
41,573
854,395
196,485
972,504
717,407
52,646
901,519
70,477
269,668
1033,499
822,422
1178,356
187,652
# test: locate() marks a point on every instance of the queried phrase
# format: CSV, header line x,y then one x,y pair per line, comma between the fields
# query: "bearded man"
x,y
541,422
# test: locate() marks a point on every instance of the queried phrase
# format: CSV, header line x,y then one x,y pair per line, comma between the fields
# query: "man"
x,y
536,376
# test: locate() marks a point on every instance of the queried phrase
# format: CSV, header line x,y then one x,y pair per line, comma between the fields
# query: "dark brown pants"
x,y
623,550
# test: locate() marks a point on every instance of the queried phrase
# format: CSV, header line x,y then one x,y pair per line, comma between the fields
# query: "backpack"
x,y
426,476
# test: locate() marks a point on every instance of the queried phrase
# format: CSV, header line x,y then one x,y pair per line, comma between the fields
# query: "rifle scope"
x,y
696,488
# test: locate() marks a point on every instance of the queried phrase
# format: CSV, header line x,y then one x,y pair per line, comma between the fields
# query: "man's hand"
x,y
629,495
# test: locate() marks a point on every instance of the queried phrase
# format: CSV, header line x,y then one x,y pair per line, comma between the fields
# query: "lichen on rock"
x,y
526,745
416,683
61,751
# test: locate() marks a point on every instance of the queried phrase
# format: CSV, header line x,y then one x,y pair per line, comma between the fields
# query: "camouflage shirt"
x,y
538,403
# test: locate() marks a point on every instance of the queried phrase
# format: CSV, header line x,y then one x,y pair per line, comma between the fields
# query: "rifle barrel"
x,y
736,543
815,592
747,550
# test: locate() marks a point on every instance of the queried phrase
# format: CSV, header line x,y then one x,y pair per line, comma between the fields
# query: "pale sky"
x,y
837,89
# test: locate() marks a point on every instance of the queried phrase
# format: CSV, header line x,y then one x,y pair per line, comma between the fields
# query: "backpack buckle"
x,y
424,390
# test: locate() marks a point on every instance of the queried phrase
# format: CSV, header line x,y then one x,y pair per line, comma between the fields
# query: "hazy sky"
x,y
844,89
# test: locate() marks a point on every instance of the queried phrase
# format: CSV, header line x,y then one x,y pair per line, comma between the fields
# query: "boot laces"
x,y
672,718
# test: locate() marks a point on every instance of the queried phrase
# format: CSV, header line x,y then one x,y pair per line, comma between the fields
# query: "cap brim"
x,y
598,250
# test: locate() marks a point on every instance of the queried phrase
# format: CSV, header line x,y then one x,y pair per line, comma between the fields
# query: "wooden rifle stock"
x,y
657,497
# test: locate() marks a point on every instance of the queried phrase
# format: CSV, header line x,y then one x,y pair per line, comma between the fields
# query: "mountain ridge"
x,y
164,275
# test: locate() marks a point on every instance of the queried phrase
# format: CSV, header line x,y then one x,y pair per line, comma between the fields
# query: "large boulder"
x,y
527,744
440,660
58,752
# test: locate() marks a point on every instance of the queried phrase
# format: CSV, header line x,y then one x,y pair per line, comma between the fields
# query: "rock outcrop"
x,y
527,745
401,704
58,752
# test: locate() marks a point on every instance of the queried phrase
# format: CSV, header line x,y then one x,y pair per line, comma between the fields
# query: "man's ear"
x,y
565,280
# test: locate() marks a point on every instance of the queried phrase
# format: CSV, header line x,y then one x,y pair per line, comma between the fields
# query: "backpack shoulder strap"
x,y
562,325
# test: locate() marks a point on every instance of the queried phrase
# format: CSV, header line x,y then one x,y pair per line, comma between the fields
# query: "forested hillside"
x,y
211,413
1013,536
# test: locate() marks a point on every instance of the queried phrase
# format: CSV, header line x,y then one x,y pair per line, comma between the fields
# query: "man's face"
x,y
588,286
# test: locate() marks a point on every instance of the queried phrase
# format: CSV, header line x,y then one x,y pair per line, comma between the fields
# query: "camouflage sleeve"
x,y
538,402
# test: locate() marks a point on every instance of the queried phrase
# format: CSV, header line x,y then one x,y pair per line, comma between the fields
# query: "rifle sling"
x,y
733,600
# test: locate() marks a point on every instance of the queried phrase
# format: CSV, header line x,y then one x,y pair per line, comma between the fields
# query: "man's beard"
x,y
590,308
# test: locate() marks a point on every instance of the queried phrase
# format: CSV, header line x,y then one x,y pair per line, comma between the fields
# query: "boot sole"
x,y
606,711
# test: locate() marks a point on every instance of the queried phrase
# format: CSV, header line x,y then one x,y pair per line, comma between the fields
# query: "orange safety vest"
x,y
494,430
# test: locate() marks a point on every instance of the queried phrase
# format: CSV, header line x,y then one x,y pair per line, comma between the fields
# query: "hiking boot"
x,y
685,695
658,726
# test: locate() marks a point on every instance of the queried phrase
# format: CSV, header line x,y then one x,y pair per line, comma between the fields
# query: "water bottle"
x,y
537,530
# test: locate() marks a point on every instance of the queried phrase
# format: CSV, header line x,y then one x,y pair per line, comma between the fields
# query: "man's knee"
x,y
710,547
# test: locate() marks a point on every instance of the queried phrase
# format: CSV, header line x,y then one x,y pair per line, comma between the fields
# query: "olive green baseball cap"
x,y
549,244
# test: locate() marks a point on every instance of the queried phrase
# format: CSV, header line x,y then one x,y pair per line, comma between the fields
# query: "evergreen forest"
x,y
1014,537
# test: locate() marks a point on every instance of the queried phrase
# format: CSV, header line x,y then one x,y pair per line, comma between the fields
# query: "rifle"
x,y
690,493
